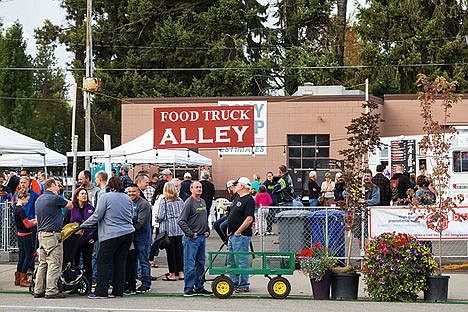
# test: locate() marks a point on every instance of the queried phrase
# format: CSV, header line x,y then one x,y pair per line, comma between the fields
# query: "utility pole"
x,y
89,74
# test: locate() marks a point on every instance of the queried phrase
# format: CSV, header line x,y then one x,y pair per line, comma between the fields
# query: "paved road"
x,y
23,302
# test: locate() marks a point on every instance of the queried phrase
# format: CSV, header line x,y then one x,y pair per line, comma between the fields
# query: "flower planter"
x,y
437,290
321,289
345,285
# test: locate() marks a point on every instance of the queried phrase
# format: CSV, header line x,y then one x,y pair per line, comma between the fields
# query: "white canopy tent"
x,y
18,150
52,159
140,151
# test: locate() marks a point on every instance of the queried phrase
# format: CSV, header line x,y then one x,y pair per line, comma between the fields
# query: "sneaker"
x,y
204,292
143,289
241,290
93,296
129,293
190,293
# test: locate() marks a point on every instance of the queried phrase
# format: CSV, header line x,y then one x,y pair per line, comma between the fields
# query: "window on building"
x,y
460,161
308,151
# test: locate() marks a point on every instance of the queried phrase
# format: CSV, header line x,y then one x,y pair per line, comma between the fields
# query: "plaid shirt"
x,y
148,192
384,185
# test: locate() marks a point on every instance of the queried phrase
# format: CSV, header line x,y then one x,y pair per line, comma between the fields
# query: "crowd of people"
x,y
121,223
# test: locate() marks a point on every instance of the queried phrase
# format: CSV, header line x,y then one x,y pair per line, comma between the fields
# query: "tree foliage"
x,y
32,102
16,86
363,139
396,33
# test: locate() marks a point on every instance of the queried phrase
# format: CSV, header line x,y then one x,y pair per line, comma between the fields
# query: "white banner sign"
x,y
400,220
260,128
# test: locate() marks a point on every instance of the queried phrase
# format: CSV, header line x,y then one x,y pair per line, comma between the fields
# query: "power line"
x,y
237,68
30,99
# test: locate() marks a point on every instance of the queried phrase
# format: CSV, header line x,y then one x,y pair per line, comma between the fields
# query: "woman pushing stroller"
x,y
81,244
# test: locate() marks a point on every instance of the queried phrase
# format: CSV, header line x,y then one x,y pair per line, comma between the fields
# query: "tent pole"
x,y
45,166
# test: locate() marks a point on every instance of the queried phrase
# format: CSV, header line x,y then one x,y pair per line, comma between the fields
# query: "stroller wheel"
x,y
83,287
32,283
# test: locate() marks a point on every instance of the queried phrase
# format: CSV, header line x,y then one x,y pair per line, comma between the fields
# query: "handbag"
x,y
162,239
321,200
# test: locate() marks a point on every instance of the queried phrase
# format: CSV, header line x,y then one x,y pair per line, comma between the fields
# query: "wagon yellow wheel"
x,y
222,287
279,287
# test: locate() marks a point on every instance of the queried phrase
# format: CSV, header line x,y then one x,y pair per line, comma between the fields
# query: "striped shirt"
x,y
168,214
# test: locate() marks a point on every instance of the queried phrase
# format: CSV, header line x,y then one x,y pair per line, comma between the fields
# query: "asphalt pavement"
x,y
300,284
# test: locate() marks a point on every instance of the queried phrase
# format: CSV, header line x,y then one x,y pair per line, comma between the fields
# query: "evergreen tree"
x,y
395,32
17,109
305,37
53,124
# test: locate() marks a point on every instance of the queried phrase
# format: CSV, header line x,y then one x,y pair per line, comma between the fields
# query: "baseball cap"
x,y
124,168
245,181
187,175
166,172
230,183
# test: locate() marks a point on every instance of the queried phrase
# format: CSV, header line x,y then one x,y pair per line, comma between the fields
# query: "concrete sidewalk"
x,y
299,283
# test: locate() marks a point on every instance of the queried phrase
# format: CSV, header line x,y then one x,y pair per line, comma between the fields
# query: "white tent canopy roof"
x,y
12,142
18,150
33,160
140,151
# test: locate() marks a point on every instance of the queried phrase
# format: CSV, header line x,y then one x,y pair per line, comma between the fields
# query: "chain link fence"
x,y
293,229
8,239
279,229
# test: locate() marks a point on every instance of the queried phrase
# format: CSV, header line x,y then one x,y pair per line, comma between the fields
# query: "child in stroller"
x,y
72,279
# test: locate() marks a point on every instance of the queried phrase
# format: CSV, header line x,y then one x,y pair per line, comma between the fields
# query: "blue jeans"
x,y
194,262
25,244
94,260
142,254
239,243
220,227
313,202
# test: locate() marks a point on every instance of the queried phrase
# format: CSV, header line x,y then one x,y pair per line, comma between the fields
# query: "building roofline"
x,y
305,98
408,96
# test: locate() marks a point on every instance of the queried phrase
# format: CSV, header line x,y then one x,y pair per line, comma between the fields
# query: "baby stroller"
x,y
72,279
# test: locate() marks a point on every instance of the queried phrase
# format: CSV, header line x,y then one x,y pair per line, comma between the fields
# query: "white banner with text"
x,y
401,219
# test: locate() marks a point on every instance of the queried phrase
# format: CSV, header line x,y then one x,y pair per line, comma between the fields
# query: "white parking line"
x,y
53,308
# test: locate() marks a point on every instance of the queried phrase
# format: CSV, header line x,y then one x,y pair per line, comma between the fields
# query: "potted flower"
x,y
437,143
396,266
316,263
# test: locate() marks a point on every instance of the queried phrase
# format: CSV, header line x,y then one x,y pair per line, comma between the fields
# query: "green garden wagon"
x,y
224,263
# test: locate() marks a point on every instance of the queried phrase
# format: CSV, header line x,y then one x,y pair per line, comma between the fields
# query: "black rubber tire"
x,y
222,287
32,283
83,288
279,287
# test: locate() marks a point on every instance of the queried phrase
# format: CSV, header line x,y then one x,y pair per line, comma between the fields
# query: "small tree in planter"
x,y
436,144
363,138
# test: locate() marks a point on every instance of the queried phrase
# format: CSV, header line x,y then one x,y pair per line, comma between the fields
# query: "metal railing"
x,y
8,239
